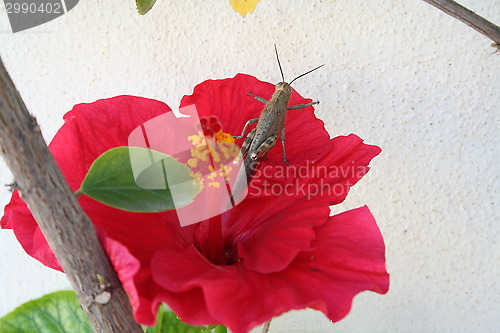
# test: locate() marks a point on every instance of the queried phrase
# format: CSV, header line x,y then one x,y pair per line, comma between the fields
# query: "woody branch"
x,y
470,18
62,221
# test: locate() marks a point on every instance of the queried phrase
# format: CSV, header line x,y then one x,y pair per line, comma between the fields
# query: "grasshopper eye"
x,y
283,86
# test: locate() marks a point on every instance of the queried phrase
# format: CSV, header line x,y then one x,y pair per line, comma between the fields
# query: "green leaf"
x,y
220,329
139,180
58,312
143,6
168,322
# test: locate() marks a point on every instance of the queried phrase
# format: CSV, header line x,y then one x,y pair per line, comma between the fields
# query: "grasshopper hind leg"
x,y
264,147
248,123
244,147
283,146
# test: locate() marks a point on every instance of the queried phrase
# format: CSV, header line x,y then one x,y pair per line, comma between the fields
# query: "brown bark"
x,y
67,229
265,328
468,17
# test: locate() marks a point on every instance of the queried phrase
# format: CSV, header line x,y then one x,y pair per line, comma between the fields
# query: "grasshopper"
x,y
270,124
264,136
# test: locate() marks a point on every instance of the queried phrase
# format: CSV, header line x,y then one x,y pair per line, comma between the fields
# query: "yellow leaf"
x,y
244,6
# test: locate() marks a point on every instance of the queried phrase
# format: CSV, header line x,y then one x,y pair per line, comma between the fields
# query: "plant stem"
x,y
468,17
265,328
66,228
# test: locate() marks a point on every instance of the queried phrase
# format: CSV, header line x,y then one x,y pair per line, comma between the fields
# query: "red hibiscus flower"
x,y
272,253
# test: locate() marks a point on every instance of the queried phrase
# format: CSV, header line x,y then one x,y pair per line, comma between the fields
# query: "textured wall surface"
x,y
400,74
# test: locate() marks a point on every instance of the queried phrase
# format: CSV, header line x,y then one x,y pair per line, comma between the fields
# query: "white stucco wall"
x,y
400,74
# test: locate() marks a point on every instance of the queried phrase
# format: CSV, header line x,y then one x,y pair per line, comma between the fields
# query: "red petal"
x,y
346,163
145,296
18,217
270,233
5,221
346,258
330,177
125,264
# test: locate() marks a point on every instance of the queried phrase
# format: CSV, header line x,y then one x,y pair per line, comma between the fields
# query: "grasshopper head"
x,y
285,87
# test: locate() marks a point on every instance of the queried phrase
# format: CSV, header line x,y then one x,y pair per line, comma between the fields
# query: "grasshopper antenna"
x,y
312,70
279,64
